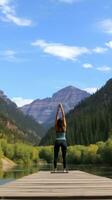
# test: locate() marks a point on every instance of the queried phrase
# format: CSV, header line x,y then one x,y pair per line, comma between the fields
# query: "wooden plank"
x,y
75,184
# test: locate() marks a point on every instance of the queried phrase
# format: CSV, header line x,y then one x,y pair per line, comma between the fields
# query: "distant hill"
x,y
15,126
90,121
43,110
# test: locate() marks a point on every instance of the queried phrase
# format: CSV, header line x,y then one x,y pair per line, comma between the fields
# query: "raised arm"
x,y
63,116
57,117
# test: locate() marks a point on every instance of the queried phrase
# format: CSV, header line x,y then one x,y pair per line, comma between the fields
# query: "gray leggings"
x,y
57,145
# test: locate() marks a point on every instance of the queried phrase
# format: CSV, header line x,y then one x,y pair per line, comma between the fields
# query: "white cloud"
x,y
91,90
18,21
109,44
60,50
11,55
9,14
104,68
21,101
8,54
106,25
99,50
68,1
87,65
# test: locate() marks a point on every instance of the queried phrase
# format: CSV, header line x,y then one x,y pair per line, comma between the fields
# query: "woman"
x,y
60,127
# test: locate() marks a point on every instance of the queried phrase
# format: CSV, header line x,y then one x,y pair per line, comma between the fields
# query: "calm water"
x,y
19,172
97,170
16,173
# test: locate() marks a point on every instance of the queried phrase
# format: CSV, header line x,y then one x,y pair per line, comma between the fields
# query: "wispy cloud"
x,y
67,52
8,54
11,55
9,14
100,50
68,1
109,44
60,50
106,25
91,90
21,101
104,68
87,65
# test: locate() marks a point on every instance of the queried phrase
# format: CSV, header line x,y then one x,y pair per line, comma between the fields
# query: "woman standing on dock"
x,y
60,127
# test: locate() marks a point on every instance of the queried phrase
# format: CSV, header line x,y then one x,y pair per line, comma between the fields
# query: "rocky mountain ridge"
x,y
43,110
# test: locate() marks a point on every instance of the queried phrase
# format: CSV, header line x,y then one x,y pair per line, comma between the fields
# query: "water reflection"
x,y
19,172
94,169
16,173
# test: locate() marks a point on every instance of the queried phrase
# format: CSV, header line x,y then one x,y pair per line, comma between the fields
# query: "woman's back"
x,y
60,127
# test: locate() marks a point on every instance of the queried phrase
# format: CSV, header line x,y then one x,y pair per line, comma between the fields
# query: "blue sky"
x,y
46,45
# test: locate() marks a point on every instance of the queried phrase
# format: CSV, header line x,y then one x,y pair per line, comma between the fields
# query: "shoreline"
x,y
7,164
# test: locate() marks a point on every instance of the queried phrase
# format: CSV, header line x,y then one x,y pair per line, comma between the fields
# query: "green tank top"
x,y
60,136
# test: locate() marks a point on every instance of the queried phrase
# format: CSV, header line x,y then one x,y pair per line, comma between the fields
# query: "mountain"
x,y
4,97
14,125
90,121
44,110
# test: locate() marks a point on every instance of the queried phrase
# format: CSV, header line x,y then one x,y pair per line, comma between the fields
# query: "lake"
x,y
15,173
19,172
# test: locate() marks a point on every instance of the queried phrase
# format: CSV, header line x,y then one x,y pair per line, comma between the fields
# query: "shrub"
x,y
1,154
73,155
106,152
46,153
89,154
9,151
3,143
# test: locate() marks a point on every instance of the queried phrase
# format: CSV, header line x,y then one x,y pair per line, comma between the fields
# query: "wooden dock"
x,y
45,185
